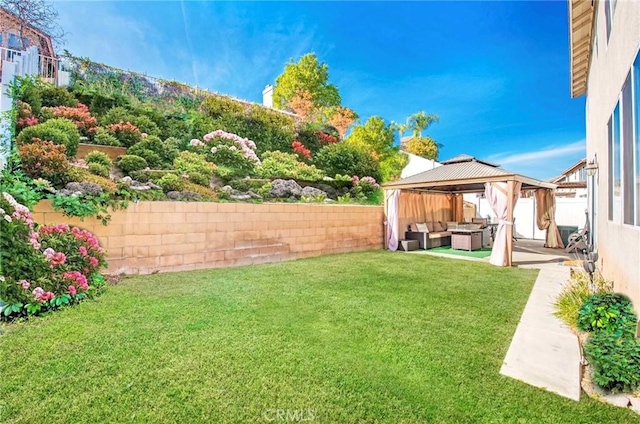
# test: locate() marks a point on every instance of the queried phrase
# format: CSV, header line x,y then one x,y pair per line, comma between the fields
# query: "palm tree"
x,y
420,121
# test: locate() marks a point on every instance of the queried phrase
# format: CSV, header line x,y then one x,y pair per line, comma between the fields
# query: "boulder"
x,y
313,192
285,188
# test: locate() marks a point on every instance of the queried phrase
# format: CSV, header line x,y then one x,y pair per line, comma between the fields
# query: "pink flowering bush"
x,y
364,187
44,268
233,155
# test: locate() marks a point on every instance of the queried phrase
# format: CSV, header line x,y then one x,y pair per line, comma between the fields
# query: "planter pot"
x,y
112,151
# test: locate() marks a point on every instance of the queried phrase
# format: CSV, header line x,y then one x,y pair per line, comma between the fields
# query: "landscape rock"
x,y
285,188
240,196
78,189
139,186
313,192
635,403
183,195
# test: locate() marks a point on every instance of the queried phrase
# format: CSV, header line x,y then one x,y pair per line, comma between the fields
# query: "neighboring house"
x,y
11,45
573,181
417,164
605,66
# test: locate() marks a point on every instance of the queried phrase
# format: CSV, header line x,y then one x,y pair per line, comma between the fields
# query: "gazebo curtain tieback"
x,y
505,222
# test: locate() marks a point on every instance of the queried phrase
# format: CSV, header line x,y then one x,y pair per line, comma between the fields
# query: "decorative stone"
x,y
240,196
313,192
183,195
84,188
635,403
285,188
620,400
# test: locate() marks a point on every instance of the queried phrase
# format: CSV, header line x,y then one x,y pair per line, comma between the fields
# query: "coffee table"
x,y
463,239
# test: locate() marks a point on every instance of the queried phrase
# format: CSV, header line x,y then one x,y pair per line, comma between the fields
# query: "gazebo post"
x,y
510,205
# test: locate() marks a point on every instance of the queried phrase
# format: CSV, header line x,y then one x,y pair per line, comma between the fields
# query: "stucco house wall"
x,y
618,244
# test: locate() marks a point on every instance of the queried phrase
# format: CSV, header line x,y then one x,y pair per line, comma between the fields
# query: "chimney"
x,y
267,96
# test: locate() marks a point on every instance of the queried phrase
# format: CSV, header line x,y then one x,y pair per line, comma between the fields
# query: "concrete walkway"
x,y
544,352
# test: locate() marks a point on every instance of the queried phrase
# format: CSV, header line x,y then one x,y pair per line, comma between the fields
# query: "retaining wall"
x,y
152,237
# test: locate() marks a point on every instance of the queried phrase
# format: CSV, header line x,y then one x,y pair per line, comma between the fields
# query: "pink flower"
x,y
196,143
25,284
79,279
72,290
48,253
41,296
94,261
58,258
83,251
33,239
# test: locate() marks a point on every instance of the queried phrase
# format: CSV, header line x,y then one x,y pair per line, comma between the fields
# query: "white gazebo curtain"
x,y
497,195
392,204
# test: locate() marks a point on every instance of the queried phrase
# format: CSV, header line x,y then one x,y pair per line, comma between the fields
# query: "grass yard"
x,y
364,337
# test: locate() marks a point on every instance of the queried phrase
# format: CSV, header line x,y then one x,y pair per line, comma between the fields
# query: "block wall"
x,y
152,237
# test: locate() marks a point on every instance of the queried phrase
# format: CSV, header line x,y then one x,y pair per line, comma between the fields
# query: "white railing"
x,y
47,66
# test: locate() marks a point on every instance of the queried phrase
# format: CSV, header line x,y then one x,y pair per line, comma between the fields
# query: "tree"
x,y
38,14
420,121
423,146
341,118
376,137
302,104
309,75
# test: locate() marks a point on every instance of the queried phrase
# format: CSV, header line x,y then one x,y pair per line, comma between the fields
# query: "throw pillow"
x,y
422,228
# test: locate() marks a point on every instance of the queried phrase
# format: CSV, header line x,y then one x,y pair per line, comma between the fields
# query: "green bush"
x,y
163,153
104,138
177,127
609,313
199,178
53,96
30,93
116,116
345,158
574,293
270,130
286,165
615,361
99,169
58,131
216,106
98,157
189,162
131,163
171,182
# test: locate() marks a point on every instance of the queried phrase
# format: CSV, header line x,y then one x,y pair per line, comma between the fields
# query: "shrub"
x,y
314,137
206,192
131,163
126,133
44,159
99,169
104,138
176,127
154,151
53,96
574,293
107,184
116,115
189,162
98,157
198,178
345,158
44,269
58,131
79,115
270,130
30,92
216,106
615,361
286,165
25,116
607,312
233,155
171,182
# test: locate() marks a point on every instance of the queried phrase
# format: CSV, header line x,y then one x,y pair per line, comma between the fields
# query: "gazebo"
x,y
436,195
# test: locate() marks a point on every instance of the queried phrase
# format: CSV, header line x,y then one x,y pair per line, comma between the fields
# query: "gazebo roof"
x,y
464,174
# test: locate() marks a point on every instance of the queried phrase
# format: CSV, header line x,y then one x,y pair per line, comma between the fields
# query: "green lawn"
x,y
366,337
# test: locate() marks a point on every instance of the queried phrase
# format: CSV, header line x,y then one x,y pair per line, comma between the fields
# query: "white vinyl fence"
x,y
569,212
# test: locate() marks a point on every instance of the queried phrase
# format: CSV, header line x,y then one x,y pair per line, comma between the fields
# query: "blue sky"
x,y
497,73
